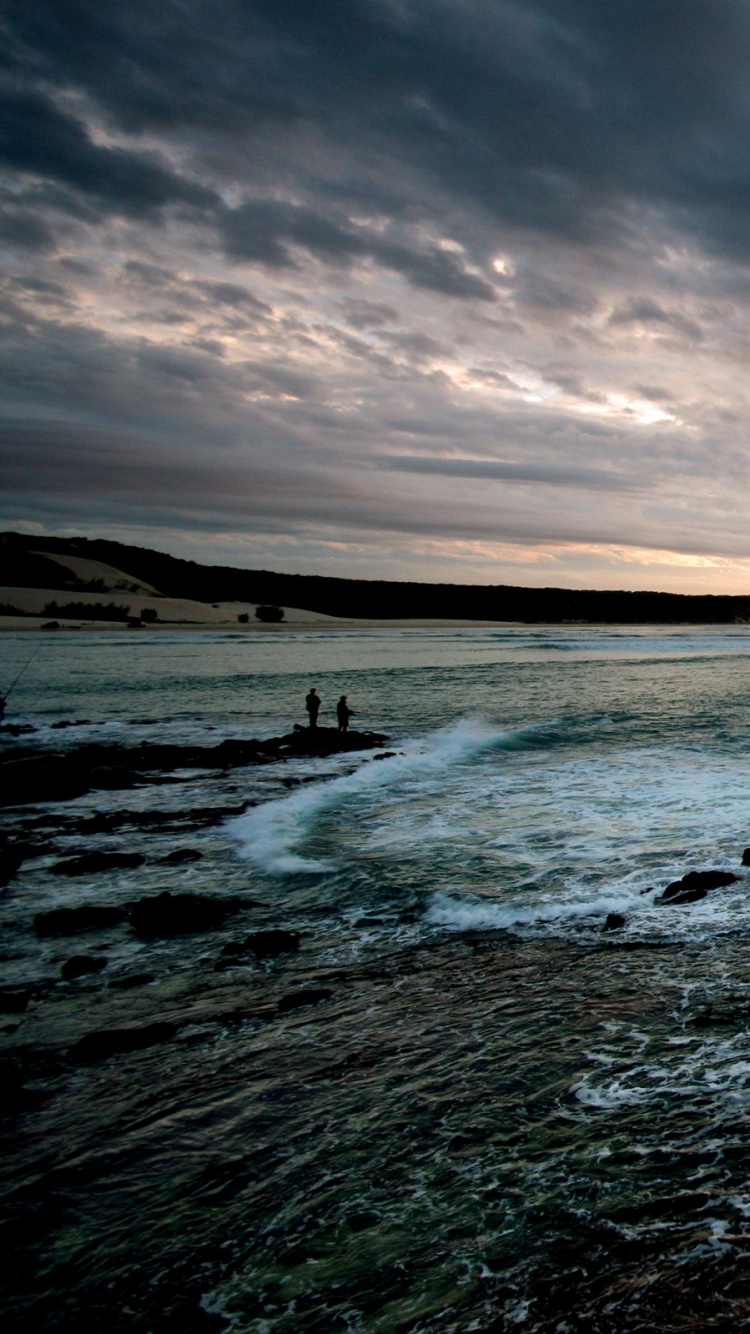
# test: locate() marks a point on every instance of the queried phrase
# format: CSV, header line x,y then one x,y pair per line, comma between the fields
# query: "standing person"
x,y
343,713
312,704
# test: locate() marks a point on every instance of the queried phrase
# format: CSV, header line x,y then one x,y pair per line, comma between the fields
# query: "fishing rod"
x,y
17,678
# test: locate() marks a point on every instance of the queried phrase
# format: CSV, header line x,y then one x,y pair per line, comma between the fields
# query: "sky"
x,y
449,290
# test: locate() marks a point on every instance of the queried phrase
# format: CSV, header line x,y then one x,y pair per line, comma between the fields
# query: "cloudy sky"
x,y
441,289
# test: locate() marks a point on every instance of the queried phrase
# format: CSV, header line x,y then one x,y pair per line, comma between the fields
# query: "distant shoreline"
x,y
343,625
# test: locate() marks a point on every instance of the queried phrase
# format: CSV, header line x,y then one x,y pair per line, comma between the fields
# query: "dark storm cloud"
x,y
266,231
39,140
22,228
548,116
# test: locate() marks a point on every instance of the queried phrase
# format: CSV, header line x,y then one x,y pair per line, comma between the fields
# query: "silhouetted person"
x,y
312,704
343,713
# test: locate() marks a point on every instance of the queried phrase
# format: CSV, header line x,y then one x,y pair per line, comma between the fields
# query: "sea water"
x,y
489,1076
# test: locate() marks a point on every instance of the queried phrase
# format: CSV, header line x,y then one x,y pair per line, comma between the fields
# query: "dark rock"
x,y
179,914
746,857
385,755
265,944
14,1097
327,741
670,1206
113,1041
92,862
179,856
297,999
74,921
80,965
44,776
11,859
16,729
697,880
685,896
15,1000
614,922
131,980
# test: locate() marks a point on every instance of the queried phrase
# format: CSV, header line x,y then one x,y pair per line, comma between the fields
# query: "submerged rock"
x,y
180,914
130,980
91,862
75,921
180,856
80,965
113,1041
264,944
297,999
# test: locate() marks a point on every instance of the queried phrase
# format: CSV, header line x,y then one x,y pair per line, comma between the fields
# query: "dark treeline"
x,y
377,598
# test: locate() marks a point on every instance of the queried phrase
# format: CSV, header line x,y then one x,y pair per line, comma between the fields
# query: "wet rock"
x,y
669,1206
15,1000
130,980
615,921
746,857
180,914
297,999
105,1042
80,965
180,856
385,755
92,862
15,1098
684,896
16,729
327,741
45,776
265,944
697,880
75,921
11,860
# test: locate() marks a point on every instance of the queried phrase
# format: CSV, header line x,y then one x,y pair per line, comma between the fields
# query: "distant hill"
x,y
39,562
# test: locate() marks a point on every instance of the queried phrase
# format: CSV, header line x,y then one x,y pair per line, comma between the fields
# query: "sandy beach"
x,y
186,614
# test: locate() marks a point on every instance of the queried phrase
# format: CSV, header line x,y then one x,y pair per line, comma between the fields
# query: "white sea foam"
x,y
269,834
464,915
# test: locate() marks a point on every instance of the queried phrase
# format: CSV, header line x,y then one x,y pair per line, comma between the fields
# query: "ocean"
x,y
460,1104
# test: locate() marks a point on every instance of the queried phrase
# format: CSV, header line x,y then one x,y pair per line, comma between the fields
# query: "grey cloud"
x,y
25,229
547,117
646,310
361,314
263,231
654,393
596,479
38,139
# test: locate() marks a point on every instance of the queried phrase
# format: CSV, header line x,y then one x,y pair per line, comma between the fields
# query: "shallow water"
x,y
498,1117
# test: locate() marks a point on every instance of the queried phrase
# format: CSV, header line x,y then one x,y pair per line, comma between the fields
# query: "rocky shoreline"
x,y
39,776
